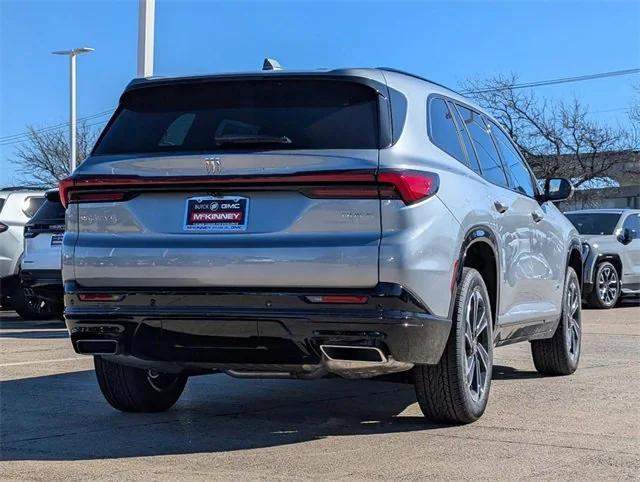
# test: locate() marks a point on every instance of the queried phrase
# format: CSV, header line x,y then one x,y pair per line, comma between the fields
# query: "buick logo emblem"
x,y
213,165
213,206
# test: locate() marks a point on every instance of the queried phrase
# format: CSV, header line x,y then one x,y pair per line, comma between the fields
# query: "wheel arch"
x,y
574,259
480,251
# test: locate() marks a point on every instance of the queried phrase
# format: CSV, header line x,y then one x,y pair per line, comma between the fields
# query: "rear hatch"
x,y
233,183
43,236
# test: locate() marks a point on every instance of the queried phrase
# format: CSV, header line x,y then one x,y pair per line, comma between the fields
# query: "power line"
x,y
19,141
562,80
25,135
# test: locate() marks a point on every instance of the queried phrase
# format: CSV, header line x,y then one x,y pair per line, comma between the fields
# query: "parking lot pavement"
x,y
54,424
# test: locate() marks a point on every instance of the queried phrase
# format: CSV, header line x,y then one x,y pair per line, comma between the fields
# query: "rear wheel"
x,y
560,354
456,390
606,290
32,307
132,389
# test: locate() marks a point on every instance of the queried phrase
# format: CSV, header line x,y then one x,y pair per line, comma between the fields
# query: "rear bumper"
x,y
222,329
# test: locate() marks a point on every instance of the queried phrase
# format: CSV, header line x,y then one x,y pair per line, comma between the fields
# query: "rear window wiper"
x,y
251,139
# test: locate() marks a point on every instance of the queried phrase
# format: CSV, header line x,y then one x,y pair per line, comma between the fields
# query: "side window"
x,y
462,130
485,148
519,176
443,130
632,222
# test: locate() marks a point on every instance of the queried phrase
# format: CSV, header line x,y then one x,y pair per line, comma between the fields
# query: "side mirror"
x,y
626,236
557,189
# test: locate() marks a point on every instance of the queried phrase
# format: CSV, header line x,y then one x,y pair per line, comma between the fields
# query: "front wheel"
x,y
606,290
560,354
130,389
456,390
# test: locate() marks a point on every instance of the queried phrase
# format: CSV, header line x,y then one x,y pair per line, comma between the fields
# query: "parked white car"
x,y
17,206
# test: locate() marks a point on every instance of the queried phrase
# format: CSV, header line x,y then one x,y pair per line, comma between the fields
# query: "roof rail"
x,y
403,72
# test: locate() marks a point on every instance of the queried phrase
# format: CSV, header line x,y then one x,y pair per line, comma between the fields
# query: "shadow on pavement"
x,y
64,417
501,372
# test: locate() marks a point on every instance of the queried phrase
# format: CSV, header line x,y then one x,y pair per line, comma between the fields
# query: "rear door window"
x,y
488,157
442,129
245,115
520,177
462,130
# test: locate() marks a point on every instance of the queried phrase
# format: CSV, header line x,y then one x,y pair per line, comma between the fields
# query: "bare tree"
x,y
559,139
44,156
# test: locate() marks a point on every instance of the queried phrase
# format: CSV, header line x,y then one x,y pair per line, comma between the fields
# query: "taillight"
x,y
411,186
28,232
3,227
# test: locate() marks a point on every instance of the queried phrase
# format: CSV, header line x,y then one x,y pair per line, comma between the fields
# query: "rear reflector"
x,y
338,299
99,297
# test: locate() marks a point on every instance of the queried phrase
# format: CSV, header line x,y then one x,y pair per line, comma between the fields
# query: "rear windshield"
x,y
594,223
49,213
244,115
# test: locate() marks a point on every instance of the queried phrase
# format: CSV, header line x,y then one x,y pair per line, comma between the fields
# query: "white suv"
x,y
17,206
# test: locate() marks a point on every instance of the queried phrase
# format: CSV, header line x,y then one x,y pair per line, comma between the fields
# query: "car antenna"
x,y
271,64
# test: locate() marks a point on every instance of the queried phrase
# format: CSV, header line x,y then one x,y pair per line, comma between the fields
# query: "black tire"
x,y
445,393
560,354
130,389
34,308
606,287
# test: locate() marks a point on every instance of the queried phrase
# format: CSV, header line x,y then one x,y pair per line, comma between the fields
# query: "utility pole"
x,y
146,27
72,98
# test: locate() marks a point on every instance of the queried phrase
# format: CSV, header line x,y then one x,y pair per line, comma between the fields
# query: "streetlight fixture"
x,y
72,100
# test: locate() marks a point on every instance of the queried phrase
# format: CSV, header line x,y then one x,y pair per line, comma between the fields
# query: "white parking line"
x,y
43,361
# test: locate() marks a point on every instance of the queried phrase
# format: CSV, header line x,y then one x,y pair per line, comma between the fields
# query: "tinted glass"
x,y
1,204
485,148
471,155
632,223
313,114
443,130
31,205
49,213
519,176
594,223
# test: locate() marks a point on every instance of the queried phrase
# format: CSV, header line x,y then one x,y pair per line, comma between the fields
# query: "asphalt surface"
x,y
54,423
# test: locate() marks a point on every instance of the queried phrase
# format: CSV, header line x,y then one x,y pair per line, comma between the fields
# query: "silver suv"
x,y
298,224
611,248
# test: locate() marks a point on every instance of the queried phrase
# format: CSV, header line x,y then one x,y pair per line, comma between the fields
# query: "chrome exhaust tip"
x,y
347,353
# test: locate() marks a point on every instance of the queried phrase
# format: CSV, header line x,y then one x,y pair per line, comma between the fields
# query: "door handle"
x,y
500,207
537,216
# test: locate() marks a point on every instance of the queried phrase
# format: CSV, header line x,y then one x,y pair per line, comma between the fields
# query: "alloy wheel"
x,y
608,285
476,342
574,323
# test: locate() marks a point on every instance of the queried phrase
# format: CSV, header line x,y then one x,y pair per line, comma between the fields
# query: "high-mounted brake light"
x,y
412,186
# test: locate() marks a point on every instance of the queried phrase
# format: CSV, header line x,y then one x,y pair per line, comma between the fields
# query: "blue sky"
x,y
445,41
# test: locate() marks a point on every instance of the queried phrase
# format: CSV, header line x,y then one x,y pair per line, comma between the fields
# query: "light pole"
x,y
72,97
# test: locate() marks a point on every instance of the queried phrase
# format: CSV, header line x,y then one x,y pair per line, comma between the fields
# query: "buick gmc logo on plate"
x,y
228,213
